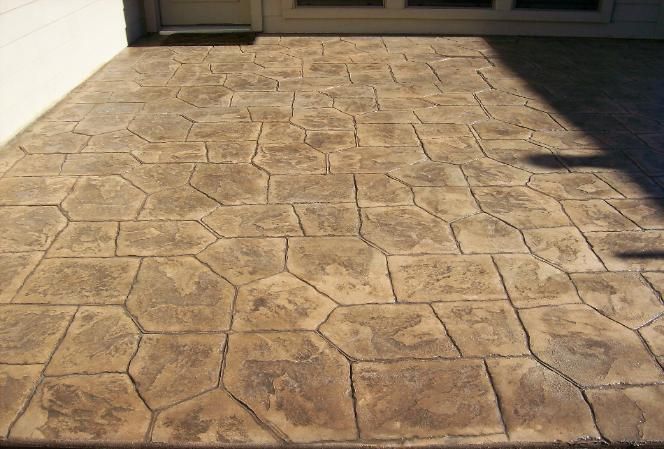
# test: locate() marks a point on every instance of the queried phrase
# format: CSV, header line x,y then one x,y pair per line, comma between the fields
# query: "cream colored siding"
x,y
53,45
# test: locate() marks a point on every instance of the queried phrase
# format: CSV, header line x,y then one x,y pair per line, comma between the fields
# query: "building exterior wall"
x,y
617,18
47,47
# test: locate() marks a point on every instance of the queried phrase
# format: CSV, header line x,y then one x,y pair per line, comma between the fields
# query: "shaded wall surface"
x,y
48,47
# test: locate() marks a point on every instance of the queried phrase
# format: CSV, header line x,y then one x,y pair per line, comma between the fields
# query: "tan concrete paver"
x,y
398,240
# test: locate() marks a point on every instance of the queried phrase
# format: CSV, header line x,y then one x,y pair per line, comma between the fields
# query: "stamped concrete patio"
x,y
418,240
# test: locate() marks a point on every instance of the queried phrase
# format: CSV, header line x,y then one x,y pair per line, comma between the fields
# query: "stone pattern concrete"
x,y
421,240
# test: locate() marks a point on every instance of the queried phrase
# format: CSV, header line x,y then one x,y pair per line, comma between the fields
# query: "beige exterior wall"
x,y
617,18
53,45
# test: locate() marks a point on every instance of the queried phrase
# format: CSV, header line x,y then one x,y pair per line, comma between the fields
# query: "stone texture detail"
x,y
170,368
388,331
99,408
17,382
29,228
247,259
483,329
445,278
454,395
346,269
213,418
284,377
565,336
538,404
15,268
406,230
254,221
99,340
80,281
162,238
179,294
623,297
630,414
280,302
30,333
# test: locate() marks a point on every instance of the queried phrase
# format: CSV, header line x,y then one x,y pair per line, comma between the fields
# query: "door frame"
x,y
153,16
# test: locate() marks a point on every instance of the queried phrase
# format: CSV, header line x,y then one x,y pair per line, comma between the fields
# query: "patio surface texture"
x,y
397,240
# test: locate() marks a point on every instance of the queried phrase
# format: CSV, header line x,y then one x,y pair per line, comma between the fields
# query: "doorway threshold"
x,y
204,29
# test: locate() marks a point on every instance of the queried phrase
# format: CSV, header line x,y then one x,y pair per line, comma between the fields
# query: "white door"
x,y
205,12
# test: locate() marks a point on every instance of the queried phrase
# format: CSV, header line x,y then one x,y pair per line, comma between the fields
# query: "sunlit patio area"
x,y
340,239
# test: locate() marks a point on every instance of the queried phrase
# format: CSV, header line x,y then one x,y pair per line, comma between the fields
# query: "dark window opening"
x,y
451,3
574,5
332,3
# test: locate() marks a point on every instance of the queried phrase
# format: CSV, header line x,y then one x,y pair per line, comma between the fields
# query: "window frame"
x,y
503,10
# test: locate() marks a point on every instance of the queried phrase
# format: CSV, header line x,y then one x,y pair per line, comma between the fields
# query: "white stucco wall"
x,y
47,47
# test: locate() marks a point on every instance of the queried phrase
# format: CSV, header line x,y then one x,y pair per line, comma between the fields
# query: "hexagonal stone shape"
x,y
538,404
206,96
220,419
254,221
447,203
103,198
374,159
531,282
232,183
26,191
100,339
485,328
170,368
180,294
31,333
17,383
162,238
487,172
244,260
152,178
431,174
445,278
406,230
564,247
434,398
623,297
102,124
322,119
280,302
29,228
388,331
453,150
632,414
80,281
298,372
178,203
104,407
588,347
572,186
295,158
58,143
483,233
345,268
161,127
521,207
